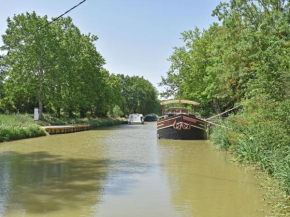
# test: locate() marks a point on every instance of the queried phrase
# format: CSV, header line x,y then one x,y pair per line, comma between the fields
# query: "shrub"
x,y
116,112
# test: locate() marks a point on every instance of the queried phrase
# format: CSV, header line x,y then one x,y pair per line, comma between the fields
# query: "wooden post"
x,y
163,109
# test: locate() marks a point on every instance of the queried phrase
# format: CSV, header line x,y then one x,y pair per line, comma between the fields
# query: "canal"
x,y
123,171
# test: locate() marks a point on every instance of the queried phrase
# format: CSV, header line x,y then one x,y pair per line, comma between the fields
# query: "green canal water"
x,y
123,171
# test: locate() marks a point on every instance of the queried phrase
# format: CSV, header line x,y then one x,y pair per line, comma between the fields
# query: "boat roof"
x,y
177,108
172,101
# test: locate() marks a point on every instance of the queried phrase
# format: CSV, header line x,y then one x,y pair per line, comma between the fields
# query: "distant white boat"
x,y
136,119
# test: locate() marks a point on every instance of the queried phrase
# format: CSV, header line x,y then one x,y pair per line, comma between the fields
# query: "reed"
x,y
261,138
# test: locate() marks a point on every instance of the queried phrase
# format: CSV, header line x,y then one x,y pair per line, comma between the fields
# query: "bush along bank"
x,y
21,126
105,122
9,133
260,137
14,127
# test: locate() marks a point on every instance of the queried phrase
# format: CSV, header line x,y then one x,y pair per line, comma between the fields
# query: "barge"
x,y
179,124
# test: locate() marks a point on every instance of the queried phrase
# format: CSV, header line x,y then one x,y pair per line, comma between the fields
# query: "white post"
x,y
36,114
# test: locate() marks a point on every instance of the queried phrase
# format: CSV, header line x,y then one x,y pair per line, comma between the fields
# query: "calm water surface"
x,y
123,171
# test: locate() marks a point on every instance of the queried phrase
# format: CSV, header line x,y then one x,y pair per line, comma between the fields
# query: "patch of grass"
x,y
20,126
93,122
16,120
14,127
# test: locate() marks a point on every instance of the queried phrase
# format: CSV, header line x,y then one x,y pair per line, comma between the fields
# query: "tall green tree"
x,y
28,56
138,95
2,76
244,57
56,66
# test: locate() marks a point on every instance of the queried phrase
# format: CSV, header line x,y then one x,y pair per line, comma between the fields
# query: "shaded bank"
x,y
14,127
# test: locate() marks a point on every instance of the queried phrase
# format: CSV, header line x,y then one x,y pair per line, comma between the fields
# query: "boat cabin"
x,y
175,110
178,110
136,119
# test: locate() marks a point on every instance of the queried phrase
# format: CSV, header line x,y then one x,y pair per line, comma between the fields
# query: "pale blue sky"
x,y
135,36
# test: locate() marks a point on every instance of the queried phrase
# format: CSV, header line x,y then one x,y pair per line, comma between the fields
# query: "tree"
x,y
138,95
28,56
2,76
57,66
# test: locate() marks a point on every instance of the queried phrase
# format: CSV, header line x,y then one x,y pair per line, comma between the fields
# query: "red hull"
x,y
181,127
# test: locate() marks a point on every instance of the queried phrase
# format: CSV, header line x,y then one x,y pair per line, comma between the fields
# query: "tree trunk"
x,y
41,91
82,112
70,113
59,104
92,112
58,112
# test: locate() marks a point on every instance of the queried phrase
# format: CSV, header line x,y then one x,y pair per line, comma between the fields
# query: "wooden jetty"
x,y
65,129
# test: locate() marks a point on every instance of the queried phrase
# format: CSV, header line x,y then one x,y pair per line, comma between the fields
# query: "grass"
x,y
262,143
93,122
21,126
14,127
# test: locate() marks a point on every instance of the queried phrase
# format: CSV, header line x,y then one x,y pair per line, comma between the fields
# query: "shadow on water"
x,y
122,127
39,182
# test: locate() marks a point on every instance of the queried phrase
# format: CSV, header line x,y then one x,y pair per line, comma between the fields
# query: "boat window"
x,y
178,110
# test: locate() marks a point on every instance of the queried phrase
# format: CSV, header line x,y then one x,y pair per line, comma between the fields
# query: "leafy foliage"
x,y
138,95
59,69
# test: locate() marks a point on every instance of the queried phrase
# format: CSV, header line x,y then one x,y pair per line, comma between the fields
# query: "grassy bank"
x,y
93,122
259,137
20,126
14,127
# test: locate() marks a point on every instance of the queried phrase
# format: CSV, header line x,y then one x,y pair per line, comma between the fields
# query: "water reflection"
x,y
39,182
42,183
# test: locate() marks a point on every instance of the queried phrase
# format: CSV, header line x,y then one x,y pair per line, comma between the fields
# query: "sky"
x,y
136,37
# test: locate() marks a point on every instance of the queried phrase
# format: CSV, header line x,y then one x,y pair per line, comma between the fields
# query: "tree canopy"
x,y
59,70
245,56
138,95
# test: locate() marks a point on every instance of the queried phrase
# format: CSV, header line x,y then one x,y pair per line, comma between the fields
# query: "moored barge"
x,y
179,124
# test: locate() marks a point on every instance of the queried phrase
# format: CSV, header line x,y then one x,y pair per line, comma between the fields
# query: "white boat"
x,y
136,119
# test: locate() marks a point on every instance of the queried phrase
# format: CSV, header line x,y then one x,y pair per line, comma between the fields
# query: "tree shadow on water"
x,y
39,182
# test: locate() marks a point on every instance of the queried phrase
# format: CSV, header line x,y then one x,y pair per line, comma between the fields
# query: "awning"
x,y
173,101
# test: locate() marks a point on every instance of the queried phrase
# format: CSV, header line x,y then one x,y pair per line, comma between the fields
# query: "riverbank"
x,y
21,126
260,140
